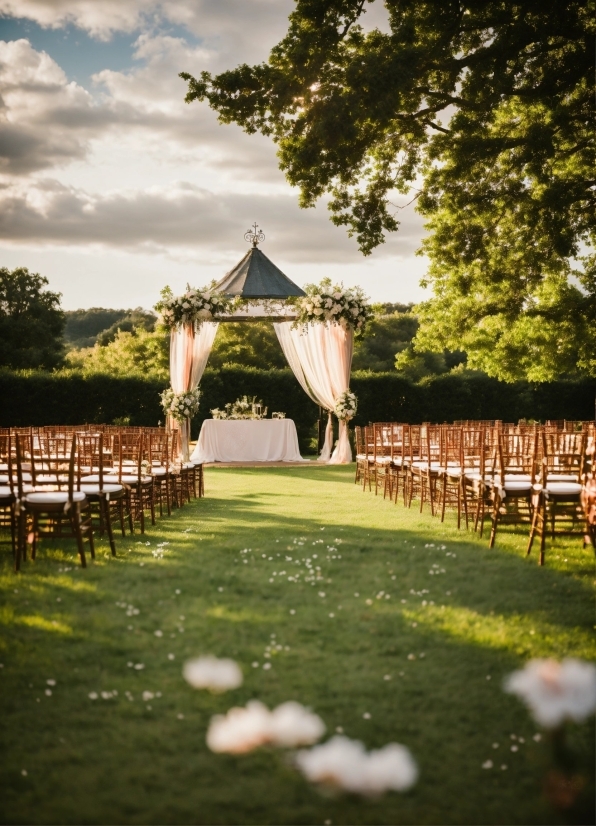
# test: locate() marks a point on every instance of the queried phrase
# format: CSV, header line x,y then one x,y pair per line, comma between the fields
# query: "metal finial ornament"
x,y
254,235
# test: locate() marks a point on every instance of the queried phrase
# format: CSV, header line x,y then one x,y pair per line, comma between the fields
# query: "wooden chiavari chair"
x,y
397,468
103,496
382,454
47,510
558,500
424,471
450,472
8,495
514,483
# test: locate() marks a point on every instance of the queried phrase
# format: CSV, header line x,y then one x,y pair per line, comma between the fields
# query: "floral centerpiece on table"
x,y
346,406
326,302
192,307
243,408
180,406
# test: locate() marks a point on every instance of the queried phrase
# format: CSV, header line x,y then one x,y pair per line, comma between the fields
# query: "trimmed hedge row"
x,y
43,398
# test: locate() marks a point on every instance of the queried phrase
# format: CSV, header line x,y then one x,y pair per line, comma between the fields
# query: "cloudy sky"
x,y
112,186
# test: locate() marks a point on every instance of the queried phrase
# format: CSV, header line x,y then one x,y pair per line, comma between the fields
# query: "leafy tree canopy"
x,y
83,327
129,323
247,344
135,353
31,321
482,111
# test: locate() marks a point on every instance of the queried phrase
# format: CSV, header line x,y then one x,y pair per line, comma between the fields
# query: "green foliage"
x,y
386,336
130,323
31,321
83,326
136,353
251,344
481,112
39,398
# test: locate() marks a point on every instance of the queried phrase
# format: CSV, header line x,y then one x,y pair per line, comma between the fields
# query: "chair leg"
x,y
495,520
104,504
75,521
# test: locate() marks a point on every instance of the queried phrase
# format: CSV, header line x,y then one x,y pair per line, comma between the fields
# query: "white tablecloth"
x,y
251,440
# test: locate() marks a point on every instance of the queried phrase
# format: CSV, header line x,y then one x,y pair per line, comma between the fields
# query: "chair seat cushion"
x,y
96,489
57,497
110,479
562,477
158,471
563,488
5,492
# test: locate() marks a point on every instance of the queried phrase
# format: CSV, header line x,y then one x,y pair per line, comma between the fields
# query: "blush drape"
x,y
321,359
189,351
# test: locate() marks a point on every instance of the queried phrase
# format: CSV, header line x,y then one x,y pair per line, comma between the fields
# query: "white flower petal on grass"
x,y
294,725
488,764
244,729
240,730
344,764
93,695
212,673
554,691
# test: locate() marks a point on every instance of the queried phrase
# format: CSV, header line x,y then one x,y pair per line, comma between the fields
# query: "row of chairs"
x,y
73,481
540,475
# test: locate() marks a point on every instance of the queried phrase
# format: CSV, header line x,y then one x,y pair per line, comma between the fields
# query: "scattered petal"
x,y
212,673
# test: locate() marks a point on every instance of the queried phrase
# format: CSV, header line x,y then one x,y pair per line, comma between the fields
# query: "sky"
x,y
112,187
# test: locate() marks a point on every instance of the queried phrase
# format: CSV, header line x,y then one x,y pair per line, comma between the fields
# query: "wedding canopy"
x,y
319,353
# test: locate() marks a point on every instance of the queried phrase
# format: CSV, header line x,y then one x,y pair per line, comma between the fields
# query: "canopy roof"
x,y
257,277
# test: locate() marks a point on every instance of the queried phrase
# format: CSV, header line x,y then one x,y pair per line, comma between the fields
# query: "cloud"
x,y
180,216
48,122
243,31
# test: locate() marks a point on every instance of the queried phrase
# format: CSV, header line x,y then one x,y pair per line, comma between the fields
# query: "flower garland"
x,y
180,406
243,408
193,307
326,302
346,406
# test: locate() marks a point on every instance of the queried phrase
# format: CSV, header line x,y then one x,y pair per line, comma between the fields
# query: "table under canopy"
x,y
250,440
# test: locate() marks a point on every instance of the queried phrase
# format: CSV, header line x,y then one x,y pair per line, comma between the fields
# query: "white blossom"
x,y
344,764
555,692
212,673
244,729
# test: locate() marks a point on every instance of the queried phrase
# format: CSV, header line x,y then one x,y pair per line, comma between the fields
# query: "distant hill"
x,y
85,327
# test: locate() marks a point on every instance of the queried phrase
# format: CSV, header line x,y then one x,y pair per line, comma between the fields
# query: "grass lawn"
x,y
379,646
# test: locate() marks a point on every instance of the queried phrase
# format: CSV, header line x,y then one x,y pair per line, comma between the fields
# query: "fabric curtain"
x,y
189,351
321,359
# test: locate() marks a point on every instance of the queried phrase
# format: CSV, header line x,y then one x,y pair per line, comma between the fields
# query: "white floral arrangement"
x,y
243,408
346,406
192,307
180,406
326,302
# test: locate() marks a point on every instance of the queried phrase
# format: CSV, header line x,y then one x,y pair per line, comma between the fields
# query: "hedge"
x,y
44,398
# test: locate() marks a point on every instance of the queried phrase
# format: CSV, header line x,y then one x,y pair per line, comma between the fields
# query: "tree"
x,y
131,321
387,334
83,326
135,353
31,321
247,344
479,110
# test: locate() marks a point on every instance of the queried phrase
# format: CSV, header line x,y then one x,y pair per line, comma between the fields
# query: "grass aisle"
x,y
406,636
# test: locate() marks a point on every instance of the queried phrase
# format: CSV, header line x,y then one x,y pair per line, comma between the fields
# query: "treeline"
x,y
41,398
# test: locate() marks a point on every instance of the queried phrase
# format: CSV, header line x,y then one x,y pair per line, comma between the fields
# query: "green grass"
x,y
119,761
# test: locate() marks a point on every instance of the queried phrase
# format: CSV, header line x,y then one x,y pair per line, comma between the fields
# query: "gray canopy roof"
x,y
257,277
